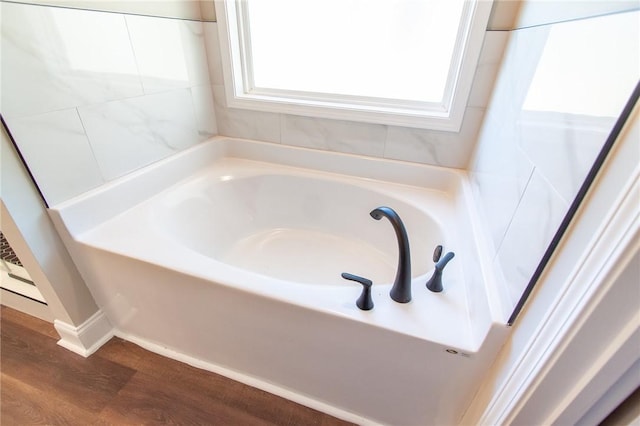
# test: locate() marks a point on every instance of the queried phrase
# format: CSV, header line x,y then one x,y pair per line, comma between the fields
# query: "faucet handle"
x,y
435,282
364,302
437,253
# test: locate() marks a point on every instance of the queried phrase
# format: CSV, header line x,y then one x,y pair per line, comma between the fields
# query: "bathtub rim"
x,y
163,174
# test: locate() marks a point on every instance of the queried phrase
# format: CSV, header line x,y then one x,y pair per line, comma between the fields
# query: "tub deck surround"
x,y
300,243
229,255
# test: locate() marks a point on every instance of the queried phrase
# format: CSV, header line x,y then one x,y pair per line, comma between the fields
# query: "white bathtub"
x,y
233,265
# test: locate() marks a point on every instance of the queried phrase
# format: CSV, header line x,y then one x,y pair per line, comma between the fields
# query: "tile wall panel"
x,y
131,133
58,153
487,69
170,53
102,94
574,142
212,43
54,58
558,93
241,123
449,149
534,223
204,107
334,135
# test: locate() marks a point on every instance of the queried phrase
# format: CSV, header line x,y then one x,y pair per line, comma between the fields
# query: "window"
x,y
398,62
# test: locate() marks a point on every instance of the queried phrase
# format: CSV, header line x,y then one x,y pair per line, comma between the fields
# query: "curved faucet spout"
x,y
401,290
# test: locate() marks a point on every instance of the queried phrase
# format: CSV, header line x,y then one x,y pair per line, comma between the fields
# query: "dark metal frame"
x,y
22,160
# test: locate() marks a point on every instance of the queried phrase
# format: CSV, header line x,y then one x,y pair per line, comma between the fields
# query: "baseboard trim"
x,y
86,338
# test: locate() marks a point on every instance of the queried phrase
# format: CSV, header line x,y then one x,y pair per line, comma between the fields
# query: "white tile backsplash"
x,y
205,111
334,135
212,44
534,224
169,53
574,142
130,133
449,149
48,141
498,197
500,172
488,65
115,91
242,123
55,58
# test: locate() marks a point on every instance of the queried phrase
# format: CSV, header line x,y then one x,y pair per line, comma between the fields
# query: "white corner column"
x,y
26,224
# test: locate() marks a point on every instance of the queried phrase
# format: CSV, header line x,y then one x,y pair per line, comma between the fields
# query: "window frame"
x,y
446,116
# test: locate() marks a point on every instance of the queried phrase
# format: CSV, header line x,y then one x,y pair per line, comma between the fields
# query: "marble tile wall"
x,y
133,89
450,149
558,93
90,96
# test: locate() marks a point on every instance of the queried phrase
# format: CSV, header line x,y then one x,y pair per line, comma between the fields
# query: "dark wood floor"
x,y
42,383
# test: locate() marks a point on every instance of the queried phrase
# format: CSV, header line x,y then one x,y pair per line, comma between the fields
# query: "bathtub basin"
x,y
303,229
228,256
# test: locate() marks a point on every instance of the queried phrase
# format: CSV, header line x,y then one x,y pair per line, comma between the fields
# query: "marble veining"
x,y
334,135
169,53
131,133
202,97
500,175
574,140
212,45
91,95
498,197
56,58
240,123
49,140
440,148
534,224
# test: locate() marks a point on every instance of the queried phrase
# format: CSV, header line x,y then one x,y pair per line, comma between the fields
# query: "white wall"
x,y
559,91
90,96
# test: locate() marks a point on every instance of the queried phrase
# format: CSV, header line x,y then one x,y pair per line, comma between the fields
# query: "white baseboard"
x,y
86,338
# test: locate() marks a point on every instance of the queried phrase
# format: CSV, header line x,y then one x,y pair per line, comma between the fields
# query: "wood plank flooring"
x,y
43,383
